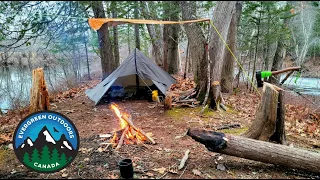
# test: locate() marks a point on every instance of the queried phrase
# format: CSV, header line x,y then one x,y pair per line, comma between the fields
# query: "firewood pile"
x,y
128,133
182,93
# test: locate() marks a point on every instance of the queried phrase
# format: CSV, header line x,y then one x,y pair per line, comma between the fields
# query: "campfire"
x,y
128,133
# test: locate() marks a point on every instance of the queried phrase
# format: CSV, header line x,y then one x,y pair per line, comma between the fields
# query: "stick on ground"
x,y
184,159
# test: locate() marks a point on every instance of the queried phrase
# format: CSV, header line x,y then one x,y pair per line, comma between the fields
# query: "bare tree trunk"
x,y
197,40
239,71
267,56
256,50
221,19
87,58
155,40
173,41
279,57
115,37
104,40
186,62
165,47
228,65
136,26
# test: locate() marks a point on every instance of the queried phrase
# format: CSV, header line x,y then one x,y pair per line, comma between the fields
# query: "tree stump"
x,y
39,99
168,102
268,124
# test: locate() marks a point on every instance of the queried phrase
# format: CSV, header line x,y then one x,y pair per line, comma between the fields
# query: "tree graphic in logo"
x,y
44,150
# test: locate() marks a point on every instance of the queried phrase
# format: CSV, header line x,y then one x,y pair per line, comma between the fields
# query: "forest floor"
x,y
167,128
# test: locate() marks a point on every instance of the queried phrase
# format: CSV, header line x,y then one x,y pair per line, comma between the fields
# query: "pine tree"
x,y
63,159
35,155
55,155
26,158
45,155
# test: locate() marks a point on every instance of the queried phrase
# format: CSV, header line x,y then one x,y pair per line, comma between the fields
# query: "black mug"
x,y
126,169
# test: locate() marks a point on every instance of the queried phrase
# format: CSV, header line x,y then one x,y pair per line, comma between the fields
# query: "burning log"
x,y
138,130
129,133
122,138
257,150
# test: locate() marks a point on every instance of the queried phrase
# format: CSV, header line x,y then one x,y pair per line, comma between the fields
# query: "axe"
x,y
264,74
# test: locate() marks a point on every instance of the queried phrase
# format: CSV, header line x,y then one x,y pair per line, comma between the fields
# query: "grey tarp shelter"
x,y
136,65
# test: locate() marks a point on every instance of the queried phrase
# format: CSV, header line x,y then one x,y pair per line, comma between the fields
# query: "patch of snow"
x,y
67,145
48,137
29,142
22,145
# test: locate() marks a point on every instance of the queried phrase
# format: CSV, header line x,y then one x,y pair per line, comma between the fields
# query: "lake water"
x,y
15,84
303,85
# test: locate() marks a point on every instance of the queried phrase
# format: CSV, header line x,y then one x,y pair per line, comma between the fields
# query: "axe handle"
x,y
286,69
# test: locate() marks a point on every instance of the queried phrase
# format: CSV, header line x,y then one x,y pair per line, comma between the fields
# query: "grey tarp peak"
x,y
135,63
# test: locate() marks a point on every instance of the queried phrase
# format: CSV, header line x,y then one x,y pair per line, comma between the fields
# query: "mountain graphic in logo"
x,y
44,150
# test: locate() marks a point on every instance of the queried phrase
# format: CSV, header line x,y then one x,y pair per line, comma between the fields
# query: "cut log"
x,y
39,99
270,116
257,150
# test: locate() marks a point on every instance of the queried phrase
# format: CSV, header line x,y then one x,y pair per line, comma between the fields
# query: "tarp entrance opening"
x,y
125,88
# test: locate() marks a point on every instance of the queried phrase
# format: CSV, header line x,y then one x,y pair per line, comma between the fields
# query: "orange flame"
x,y
123,123
131,135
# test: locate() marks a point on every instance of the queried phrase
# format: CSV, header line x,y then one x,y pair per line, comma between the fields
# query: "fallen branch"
x,y
228,126
184,159
181,105
186,101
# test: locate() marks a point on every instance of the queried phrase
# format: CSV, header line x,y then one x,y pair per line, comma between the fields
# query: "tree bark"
x,y
115,37
269,118
197,40
278,61
186,61
256,49
173,41
39,96
155,40
221,19
104,40
257,150
165,46
279,56
228,65
87,58
136,26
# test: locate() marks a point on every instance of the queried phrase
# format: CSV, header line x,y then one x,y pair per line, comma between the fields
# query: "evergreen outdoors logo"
x,y
46,141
